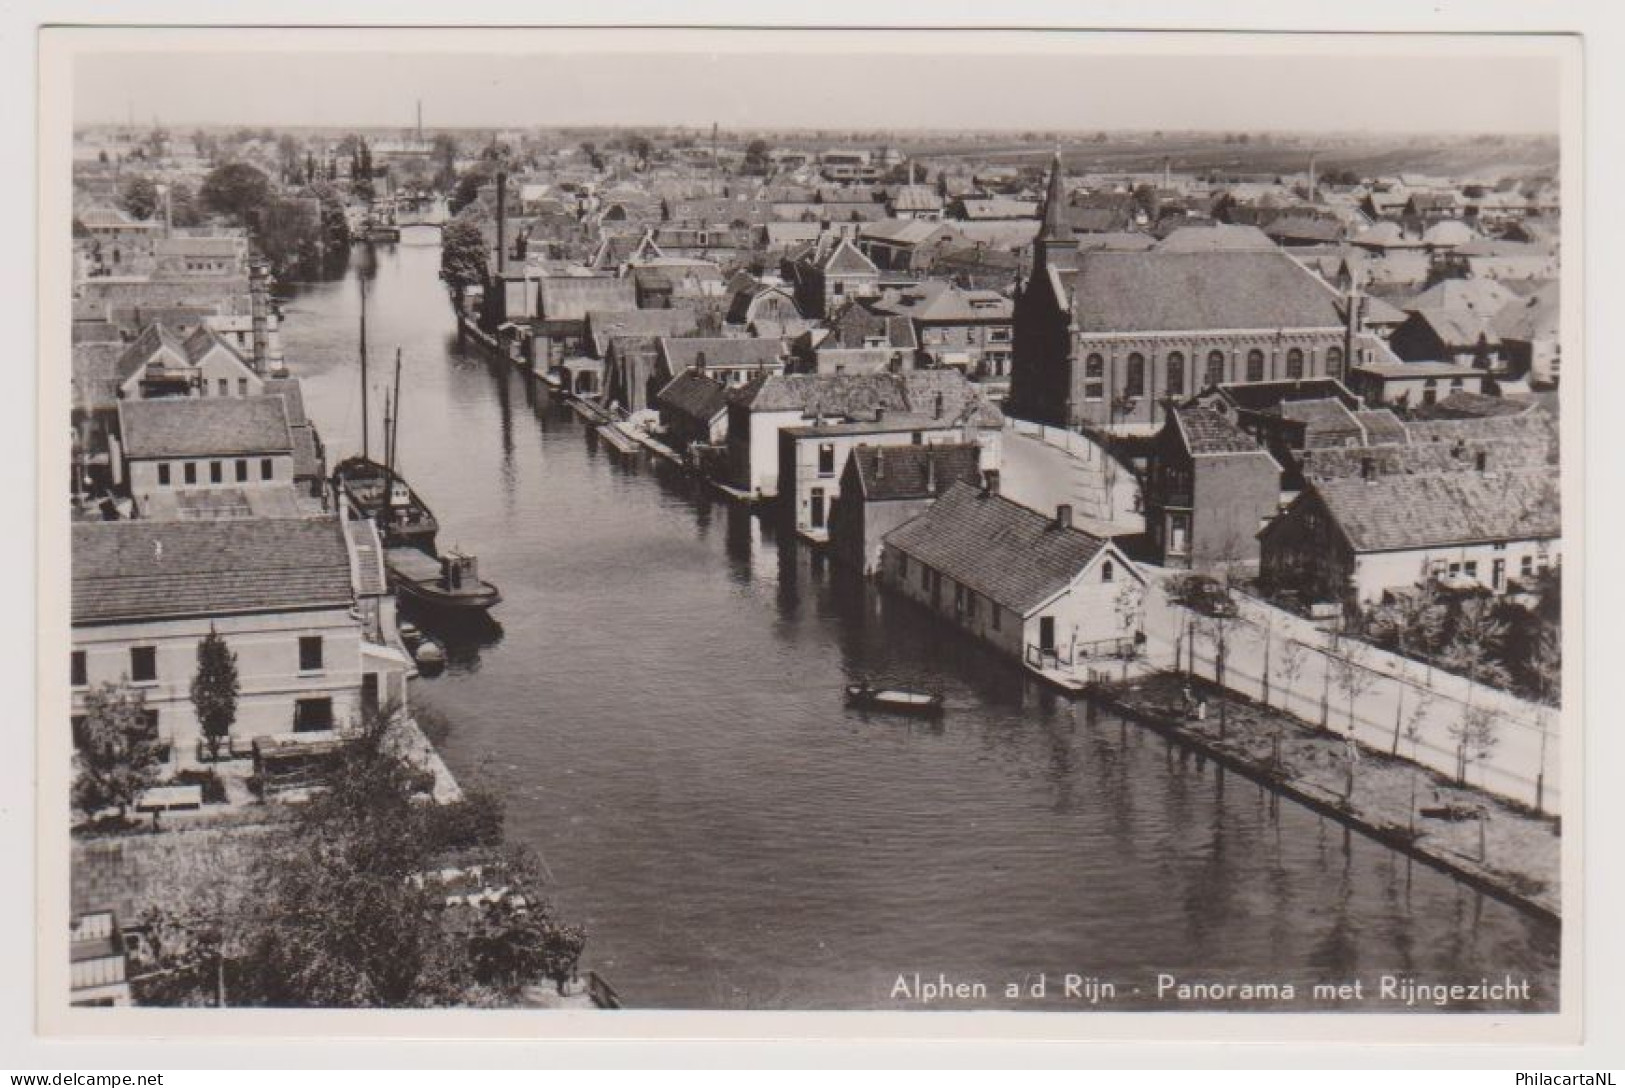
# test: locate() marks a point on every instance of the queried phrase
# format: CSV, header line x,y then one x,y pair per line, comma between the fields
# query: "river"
x,y
662,712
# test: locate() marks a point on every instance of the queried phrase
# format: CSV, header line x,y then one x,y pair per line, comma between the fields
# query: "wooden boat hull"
x,y
364,484
479,598
894,701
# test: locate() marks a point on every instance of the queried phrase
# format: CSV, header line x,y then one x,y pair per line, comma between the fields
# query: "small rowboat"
x,y
896,700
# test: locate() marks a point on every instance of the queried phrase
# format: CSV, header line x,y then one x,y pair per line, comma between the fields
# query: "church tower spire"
x,y
1055,235
1056,228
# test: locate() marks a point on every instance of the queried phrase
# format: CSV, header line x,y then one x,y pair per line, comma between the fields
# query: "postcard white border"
x,y
53,315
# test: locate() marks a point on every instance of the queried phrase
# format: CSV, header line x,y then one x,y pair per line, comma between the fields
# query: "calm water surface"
x,y
661,708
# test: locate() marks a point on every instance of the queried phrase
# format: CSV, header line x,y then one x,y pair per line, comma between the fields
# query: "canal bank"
x,y
660,703
1508,852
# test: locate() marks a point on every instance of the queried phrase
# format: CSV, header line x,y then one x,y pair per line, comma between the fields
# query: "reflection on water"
x,y
661,703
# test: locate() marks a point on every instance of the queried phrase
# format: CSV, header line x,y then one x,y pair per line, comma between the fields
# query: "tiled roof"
x,y
1475,296
683,352
887,473
694,395
292,392
571,298
855,324
602,325
846,259
1442,508
1532,318
1326,422
205,426
1014,556
1207,432
1456,328
858,395
153,570
1216,237
1382,426
1461,404
1230,289
938,300
916,198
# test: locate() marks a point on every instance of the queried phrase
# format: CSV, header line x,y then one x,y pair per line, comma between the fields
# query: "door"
x,y
1498,575
1178,534
817,508
1046,634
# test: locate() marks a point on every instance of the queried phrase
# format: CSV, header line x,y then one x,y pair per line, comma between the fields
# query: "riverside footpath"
x,y
1502,848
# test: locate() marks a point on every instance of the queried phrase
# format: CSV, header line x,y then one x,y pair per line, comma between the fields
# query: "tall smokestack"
x,y
502,222
259,305
420,122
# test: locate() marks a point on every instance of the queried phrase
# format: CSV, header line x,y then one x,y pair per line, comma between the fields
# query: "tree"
x,y
237,190
183,209
348,910
463,257
139,196
214,690
1411,623
1472,652
757,158
117,750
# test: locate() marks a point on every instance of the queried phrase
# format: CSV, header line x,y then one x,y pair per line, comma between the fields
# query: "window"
x,y
1106,571
1094,366
1134,382
959,597
826,459
265,468
1526,566
1470,568
999,334
224,386
310,653
216,472
998,622
242,387
143,664
163,475
970,606
1215,367
902,567
1255,365
1334,362
1294,363
76,669
312,714
242,471
369,693
1176,373
189,470
1430,391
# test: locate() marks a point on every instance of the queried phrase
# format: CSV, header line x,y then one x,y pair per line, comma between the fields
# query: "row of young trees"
x,y
1466,635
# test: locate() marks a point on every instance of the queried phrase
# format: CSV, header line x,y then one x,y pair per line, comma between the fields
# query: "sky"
x,y
945,89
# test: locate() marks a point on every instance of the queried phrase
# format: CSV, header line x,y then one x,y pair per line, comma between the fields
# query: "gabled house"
x,y
1031,586
1352,538
825,281
161,363
693,411
969,330
1209,486
883,487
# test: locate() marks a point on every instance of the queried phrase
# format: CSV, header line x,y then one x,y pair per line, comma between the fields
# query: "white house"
x,y
299,600
1031,586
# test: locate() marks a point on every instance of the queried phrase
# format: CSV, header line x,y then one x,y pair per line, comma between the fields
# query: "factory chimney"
x,y
259,275
502,223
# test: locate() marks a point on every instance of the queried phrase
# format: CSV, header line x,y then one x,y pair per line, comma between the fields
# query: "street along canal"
x,y
661,708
